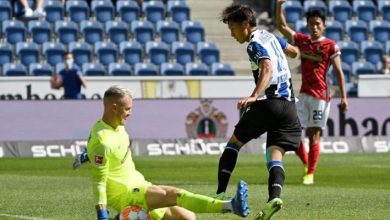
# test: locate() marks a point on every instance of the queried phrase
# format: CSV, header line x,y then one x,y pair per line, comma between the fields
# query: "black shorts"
x,y
277,117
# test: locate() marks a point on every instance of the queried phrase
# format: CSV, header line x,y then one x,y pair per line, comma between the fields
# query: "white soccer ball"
x,y
134,212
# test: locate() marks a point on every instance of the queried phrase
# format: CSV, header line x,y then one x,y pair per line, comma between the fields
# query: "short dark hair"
x,y
315,13
238,13
66,53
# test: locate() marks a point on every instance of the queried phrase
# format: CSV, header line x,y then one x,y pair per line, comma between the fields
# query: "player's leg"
x,y
303,115
176,212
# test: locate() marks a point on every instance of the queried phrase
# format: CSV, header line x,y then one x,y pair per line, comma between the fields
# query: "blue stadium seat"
x,y
81,52
54,11
153,10
178,10
143,31
28,52
77,10
54,52
380,30
168,31
119,69
220,69
293,11
6,53
157,52
14,69
67,31
18,9
5,10
92,31
387,47
346,70
357,30
38,69
128,10
172,69
197,69
334,30
310,5
183,52
117,31
372,51
208,52
340,10
145,69
131,52
383,7
103,10
193,31
40,31
93,69
14,31
359,68
106,52
364,10
301,26
349,51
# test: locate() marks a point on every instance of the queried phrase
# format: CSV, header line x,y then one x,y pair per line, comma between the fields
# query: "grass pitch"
x,y
349,186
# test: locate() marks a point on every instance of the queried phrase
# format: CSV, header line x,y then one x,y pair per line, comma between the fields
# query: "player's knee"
x,y
274,163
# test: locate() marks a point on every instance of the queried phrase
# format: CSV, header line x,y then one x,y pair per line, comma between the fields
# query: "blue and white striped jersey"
x,y
264,45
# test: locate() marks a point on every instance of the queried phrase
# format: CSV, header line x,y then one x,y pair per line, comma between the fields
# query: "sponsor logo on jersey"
x,y
99,160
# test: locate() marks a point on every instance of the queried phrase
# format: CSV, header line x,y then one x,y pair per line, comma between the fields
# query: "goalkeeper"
x,y
116,182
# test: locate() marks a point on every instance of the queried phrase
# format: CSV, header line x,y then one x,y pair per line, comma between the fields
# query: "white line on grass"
x,y
20,216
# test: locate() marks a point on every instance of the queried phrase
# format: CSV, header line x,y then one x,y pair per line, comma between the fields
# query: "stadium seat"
x,y
380,30
293,11
119,69
208,52
157,52
310,5
106,52
219,69
349,52
131,52
128,10
387,47
346,70
364,10
143,31
193,31
18,10
38,69
81,52
153,10
77,10
145,69
5,10
67,31
334,30
197,69
54,52
92,31
340,10
14,69
359,68
178,10
168,31
14,31
40,31
103,10
6,53
117,31
301,26
357,30
183,52
54,11
28,52
172,69
383,7
93,69
372,51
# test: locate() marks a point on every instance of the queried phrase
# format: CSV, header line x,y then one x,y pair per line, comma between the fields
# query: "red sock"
x,y
314,154
302,154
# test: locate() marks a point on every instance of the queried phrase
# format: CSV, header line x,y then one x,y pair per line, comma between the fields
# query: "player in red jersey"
x,y
317,54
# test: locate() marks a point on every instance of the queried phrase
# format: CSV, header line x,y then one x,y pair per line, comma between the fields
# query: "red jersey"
x,y
315,61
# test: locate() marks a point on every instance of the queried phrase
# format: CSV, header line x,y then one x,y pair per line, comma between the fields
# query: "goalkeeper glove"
x,y
80,159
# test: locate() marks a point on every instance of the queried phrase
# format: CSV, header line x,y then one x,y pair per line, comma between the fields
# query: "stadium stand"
x,y
40,31
27,52
14,69
357,30
14,31
40,69
93,69
77,10
119,69
153,10
362,68
168,31
143,31
128,10
179,11
6,53
380,30
340,10
54,10
172,69
131,52
157,52
193,31
145,69
103,10
81,52
293,11
183,52
5,11
92,31
117,31
334,30
208,52
349,51
106,52
364,10
196,69
53,52
220,69
372,51
67,31
310,5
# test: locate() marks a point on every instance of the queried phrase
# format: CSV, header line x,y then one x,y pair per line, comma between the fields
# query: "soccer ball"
x,y
134,212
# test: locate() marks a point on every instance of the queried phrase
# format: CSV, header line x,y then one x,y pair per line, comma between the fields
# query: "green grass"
x,y
349,186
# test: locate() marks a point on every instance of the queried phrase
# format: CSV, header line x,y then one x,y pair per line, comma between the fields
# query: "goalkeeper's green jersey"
x,y
113,168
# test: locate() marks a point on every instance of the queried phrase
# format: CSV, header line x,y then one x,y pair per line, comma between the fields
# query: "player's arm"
x,y
289,50
336,63
281,22
83,82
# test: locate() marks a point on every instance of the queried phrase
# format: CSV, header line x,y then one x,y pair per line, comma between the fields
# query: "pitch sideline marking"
x,y
20,216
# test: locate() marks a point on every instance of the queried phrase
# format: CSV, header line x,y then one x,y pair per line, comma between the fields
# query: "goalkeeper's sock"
x,y
227,162
302,154
275,179
314,154
202,204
